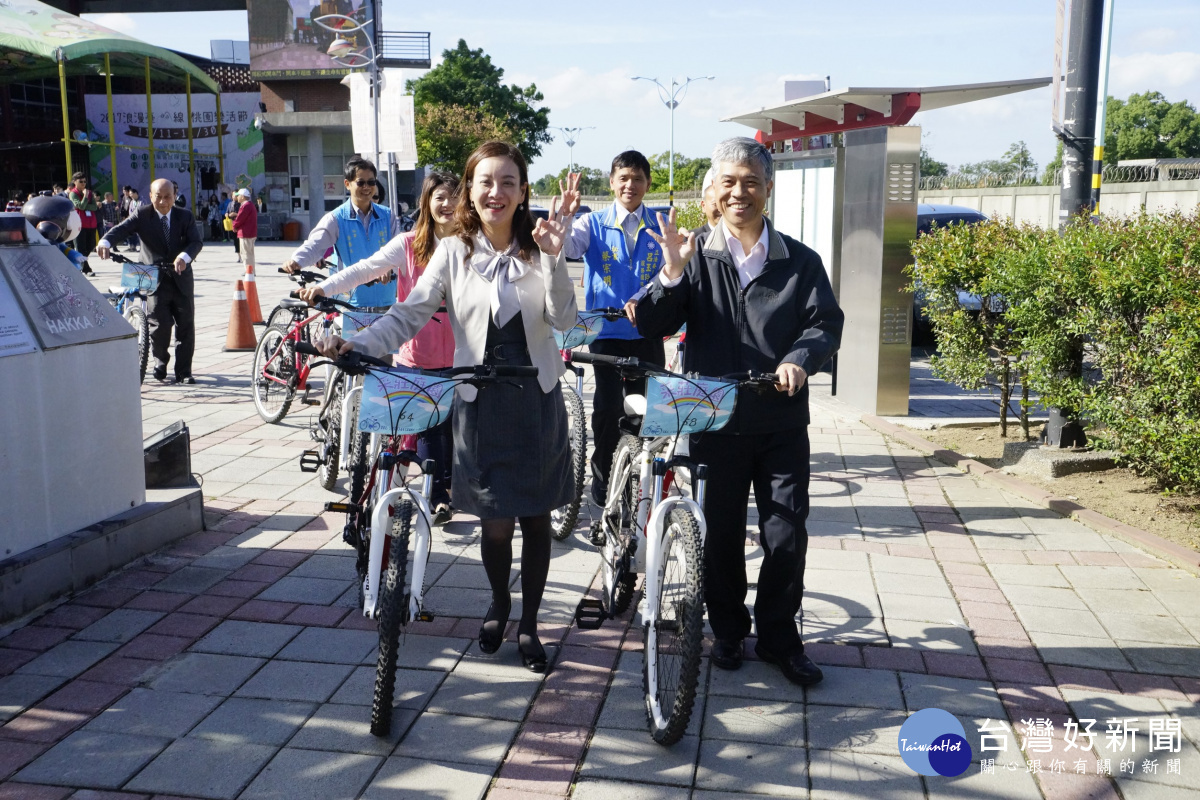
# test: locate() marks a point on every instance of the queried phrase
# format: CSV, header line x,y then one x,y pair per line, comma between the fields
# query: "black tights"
x,y
496,551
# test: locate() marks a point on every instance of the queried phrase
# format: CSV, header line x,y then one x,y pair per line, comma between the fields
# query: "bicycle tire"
x,y
360,460
280,317
629,447
673,638
272,400
562,520
391,617
327,471
137,318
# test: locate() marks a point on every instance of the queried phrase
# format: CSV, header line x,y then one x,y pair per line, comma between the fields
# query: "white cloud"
x,y
122,23
1141,72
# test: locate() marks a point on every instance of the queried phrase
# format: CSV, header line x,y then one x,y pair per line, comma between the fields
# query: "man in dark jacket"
x,y
171,240
753,299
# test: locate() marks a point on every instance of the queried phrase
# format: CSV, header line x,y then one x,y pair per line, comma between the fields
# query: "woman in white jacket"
x,y
506,289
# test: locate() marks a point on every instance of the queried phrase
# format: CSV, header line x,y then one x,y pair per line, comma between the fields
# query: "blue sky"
x,y
582,56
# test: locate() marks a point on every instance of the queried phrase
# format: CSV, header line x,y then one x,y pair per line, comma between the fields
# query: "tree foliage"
x,y
592,182
689,172
1017,159
447,134
1149,126
467,79
931,166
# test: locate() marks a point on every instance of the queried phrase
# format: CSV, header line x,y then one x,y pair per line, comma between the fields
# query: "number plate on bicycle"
x,y
395,403
140,277
585,332
686,405
355,321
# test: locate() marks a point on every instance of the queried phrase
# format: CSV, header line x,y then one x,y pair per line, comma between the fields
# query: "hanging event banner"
x,y
397,133
286,42
241,140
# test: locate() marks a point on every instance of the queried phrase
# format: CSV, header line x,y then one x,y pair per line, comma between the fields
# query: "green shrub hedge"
x,y
1124,293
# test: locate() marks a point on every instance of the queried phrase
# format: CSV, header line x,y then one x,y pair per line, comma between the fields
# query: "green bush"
x,y
1118,297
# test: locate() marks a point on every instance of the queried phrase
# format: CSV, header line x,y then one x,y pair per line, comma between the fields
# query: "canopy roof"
x,y
33,33
856,107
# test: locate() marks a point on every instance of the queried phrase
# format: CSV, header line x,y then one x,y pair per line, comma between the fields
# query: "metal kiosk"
x,y
847,167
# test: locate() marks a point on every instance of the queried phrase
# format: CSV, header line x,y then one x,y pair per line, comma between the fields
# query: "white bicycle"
x,y
653,523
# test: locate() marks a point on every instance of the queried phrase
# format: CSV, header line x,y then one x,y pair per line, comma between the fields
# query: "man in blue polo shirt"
x,y
356,230
619,258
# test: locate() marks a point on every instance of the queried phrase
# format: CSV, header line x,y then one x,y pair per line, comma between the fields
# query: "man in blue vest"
x,y
619,258
356,230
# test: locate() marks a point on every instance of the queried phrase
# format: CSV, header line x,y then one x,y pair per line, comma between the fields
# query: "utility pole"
x,y
1101,108
571,136
671,99
1078,135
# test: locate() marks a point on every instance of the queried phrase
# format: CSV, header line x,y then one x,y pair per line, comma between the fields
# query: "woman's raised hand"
x,y
678,245
551,233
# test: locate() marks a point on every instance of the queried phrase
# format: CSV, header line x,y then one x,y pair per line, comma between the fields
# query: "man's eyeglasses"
x,y
367,182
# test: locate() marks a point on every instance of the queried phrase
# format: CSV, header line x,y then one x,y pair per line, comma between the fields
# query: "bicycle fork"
x,y
385,498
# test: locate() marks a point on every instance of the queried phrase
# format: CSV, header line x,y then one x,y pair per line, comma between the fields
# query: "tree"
x,y
689,172
1149,126
592,182
1050,176
1018,156
447,134
1017,160
932,167
468,79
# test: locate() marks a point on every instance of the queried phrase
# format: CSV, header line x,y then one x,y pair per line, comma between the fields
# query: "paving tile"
x,y
18,692
71,615
840,774
330,645
485,695
327,567
93,759
430,652
36,637
262,611
191,626
735,719
347,729
754,768
589,789
902,659
30,791
245,719
414,687
259,639
211,605
147,712
154,646
755,680
1079,651
68,659
226,558
46,725
1159,630
403,778
205,673
191,580
959,696
317,591
14,755
923,609
614,754
476,741
867,688
203,768
327,776
946,636
1079,623
851,728
296,680
567,708
121,670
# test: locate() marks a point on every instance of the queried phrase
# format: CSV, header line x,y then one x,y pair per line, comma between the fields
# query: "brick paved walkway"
x,y
232,664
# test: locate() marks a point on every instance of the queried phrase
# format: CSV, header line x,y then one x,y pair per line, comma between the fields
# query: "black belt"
x,y
505,352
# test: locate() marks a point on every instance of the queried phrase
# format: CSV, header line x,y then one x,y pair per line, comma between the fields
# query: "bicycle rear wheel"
x,y
671,659
327,471
562,520
620,523
392,615
137,318
273,375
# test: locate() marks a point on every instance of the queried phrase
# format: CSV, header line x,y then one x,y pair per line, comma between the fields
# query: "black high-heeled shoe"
x,y
490,642
533,659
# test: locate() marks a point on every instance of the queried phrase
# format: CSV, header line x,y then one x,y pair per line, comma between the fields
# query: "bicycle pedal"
x,y
310,461
310,401
596,533
344,508
424,616
590,614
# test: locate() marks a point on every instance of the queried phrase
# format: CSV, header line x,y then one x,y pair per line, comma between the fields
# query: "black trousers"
x,y
168,307
776,465
608,402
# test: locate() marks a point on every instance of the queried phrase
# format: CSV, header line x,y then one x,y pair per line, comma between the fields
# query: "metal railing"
x,y
403,49
1114,173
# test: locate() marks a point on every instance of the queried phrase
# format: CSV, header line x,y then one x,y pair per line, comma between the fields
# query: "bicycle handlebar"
x,y
326,304
354,361
303,276
751,379
117,258
609,313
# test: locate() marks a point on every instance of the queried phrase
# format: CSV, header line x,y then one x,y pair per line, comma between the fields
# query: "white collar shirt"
x,y
629,222
748,265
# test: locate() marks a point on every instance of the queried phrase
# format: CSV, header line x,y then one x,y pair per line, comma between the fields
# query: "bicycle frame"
x,y
354,386
302,367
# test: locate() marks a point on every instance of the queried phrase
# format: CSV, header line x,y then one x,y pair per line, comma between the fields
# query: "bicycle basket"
x,y
584,332
394,403
355,321
677,405
139,277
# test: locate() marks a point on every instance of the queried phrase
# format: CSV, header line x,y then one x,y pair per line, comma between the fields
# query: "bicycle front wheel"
x,y
621,522
671,660
327,471
137,318
392,615
562,520
273,375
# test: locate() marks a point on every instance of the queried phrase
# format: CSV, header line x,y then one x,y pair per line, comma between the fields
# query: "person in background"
x,y
224,211
708,207
58,189
216,227
109,214
180,199
89,217
432,348
356,230
14,203
246,225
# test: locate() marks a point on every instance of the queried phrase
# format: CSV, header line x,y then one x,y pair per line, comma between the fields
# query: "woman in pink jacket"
x,y
433,348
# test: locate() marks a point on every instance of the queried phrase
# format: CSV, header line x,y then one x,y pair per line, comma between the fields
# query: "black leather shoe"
x,y
489,641
727,653
188,379
161,377
796,667
533,655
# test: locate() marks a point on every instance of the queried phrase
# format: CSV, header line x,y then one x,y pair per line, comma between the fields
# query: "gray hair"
x,y
743,150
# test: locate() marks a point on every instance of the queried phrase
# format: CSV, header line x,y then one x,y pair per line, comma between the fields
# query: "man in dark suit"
x,y
171,240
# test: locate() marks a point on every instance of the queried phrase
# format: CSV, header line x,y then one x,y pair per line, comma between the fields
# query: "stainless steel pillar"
x,y
879,222
316,176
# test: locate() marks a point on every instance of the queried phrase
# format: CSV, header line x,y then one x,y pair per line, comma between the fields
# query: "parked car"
x,y
930,216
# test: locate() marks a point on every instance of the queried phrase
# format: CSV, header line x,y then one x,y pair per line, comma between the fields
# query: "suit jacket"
x,y
184,238
547,299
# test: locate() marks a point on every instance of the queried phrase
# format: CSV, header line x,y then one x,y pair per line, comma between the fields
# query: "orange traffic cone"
x,y
241,333
256,316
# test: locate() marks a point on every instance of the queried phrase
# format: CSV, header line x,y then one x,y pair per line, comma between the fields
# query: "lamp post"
x,y
671,99
342,50
572,134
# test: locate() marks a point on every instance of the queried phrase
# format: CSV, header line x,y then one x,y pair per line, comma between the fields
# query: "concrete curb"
x,y
1179,555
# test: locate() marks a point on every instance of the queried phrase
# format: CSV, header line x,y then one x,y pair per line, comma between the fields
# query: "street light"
x,y
341,50
671,99
572,134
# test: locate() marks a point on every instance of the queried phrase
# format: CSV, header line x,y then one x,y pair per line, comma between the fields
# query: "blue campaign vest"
x,y
355,244
611,276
